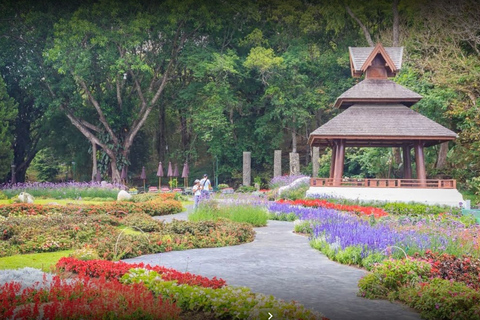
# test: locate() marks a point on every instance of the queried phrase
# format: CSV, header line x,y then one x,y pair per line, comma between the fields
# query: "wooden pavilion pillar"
x,y
407,163
334,157
420,161
339,161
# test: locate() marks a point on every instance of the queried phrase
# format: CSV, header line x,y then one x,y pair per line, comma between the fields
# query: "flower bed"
x,y
115,270
437,265
317,203
84,298
102,233
153,208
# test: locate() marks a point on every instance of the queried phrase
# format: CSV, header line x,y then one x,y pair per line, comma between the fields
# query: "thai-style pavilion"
x,y
377,114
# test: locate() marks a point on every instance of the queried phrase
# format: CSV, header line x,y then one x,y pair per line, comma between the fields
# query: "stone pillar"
x,y
294,164
340,159
407,163
277,163
420,161
315,164
247,168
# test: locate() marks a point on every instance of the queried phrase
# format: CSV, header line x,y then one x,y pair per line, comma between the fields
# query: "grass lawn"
x,y
42,261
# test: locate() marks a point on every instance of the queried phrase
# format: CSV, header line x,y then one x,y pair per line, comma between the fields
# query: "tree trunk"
x,y
294,141
161,133
397,156
396,24
115,173
94,161
442,156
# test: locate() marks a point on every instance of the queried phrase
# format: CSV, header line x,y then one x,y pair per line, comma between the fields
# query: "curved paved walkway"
x,y
282,263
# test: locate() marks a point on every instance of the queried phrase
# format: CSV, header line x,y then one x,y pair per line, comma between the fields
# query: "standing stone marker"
x,y
247,168
315,164
277,163
294,164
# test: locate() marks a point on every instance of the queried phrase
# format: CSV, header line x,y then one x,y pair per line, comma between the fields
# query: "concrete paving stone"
x,y
282,263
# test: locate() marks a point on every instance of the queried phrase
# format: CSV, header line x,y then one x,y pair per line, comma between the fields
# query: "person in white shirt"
x,y
197,192
206,186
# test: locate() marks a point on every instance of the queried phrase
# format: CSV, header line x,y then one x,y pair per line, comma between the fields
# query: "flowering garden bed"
x,y
430,262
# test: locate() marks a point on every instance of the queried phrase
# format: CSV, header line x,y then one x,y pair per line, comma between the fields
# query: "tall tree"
x,y
25,27
8,111
119,57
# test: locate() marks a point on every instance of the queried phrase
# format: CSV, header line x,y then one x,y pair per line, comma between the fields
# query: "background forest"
x,y
106,84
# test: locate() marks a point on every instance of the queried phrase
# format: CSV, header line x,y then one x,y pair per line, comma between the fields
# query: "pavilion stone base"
x,y
448,197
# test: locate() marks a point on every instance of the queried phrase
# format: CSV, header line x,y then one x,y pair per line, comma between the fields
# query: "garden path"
x,y
282,263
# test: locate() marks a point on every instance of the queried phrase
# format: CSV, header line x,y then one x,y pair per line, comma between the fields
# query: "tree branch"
x,y
362,26
99,111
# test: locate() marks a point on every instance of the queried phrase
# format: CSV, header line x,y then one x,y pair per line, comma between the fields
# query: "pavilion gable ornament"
x,y
363,58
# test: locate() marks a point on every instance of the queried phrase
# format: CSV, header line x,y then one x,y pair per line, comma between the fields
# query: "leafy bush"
x,y
442,299
246,189
416,209
464,269
296,193
282,216
222,186
142,221
390,275
3,196
85,253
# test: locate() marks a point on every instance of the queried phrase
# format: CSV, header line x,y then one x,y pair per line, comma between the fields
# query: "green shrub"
x,y
246,189
85,253
371,260
295,194
349,255
282,216
390,275
222,186
142,221
3,196
302,226
416,209
442,299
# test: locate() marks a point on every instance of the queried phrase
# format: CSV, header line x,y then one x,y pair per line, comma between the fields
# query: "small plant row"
x,y
84,298
318,203
115,270
153,208
225,302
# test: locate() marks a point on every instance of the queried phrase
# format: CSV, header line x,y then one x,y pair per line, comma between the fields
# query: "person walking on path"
x,y
197,192
206,186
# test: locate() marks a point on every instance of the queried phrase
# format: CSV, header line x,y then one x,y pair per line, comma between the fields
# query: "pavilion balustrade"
x,y
385,183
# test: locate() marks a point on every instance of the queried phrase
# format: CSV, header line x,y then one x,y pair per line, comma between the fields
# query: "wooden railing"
x,y
385,183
